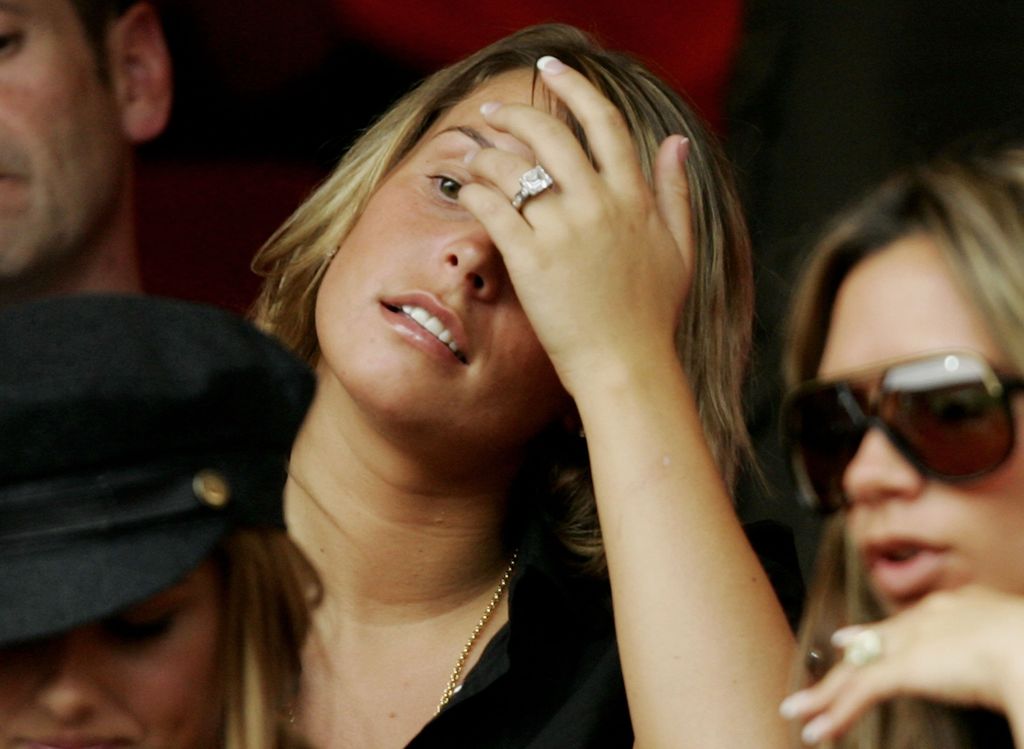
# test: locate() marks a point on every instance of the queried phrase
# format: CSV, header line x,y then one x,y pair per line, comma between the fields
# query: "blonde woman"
x,y
909,338
524,313
149,596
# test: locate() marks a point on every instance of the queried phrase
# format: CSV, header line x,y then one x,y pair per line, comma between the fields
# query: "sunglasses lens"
x,y
824,435
954,431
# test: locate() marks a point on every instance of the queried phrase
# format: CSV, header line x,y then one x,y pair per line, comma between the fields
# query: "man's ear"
x,y
140,72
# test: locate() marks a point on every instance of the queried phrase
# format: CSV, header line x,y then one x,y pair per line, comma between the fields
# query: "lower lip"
x,y
418,336
902,582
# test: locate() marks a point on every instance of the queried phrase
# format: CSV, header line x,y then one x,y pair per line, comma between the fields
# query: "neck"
x,y
395,535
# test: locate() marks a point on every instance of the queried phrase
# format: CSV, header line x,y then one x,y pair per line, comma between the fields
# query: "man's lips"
x,y
430,323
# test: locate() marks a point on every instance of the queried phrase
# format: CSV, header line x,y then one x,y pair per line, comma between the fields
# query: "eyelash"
x,y
440,180
10,42
140,632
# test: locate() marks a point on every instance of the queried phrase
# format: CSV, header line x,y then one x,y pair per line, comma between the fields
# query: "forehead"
x,y
900,302
513,87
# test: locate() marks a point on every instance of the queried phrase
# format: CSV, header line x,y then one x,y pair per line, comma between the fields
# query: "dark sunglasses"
x,y
947,413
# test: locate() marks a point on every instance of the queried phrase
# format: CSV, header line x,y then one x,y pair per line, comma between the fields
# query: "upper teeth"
x,y
432,324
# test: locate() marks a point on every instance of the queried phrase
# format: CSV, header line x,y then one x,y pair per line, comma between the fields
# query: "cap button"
x,y
211,487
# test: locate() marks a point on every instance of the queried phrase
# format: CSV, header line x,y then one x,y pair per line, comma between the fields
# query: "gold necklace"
x,y
453,680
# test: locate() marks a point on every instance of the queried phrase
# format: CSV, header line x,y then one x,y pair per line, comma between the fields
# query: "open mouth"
x,y
431,324
900,553
903,571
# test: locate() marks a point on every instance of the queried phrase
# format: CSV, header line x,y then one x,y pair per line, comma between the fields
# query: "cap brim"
x,y
48,592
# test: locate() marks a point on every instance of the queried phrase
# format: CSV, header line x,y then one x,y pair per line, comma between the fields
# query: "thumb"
x,y
672,192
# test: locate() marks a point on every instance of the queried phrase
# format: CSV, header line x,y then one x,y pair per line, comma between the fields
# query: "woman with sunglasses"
x,y
908,336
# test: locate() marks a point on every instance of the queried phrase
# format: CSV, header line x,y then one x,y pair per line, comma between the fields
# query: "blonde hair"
x,y
972,208
714,335
269,591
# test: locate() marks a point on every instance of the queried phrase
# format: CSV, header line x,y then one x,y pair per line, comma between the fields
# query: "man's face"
x,y
64,158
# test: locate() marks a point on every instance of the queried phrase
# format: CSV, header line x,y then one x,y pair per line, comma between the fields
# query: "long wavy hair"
x,y
971,205
269,591
714,333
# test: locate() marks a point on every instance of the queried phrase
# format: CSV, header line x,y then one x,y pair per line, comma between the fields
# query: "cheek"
x,y
19,668
175,690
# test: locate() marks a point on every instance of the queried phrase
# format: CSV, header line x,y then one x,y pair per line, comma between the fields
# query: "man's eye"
x,y
448,187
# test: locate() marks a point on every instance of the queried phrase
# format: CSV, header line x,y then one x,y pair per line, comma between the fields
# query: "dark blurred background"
x,y
816,100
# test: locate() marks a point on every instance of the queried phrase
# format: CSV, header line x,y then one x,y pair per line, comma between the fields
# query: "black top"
x,y
550,678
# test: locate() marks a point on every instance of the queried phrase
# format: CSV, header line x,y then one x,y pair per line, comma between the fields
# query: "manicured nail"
x,y
793,705
683,150
551,65
816,729
841,637
489,107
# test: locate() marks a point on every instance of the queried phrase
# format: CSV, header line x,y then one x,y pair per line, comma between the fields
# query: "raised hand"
x,y
961,647
600,262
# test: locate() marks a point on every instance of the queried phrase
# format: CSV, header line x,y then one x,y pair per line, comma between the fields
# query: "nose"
x,y
476,263
70,689
879,471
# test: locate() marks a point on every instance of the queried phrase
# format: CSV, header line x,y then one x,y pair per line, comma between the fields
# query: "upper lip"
x,y
892,547
452,334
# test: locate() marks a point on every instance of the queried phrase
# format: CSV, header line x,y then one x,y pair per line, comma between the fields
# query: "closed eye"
x,y
10,43
129,630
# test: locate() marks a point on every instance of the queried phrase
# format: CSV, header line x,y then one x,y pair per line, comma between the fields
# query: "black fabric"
x,y
134,433
551,677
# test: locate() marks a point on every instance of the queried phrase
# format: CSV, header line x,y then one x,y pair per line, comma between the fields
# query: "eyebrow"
x,y
471,133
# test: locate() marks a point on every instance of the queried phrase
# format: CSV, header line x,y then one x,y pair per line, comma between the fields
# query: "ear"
x,y
140,72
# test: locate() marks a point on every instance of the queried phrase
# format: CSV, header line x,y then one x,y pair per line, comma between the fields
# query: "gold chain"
x,y
453,680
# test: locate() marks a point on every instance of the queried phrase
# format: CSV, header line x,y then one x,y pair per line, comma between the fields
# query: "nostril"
x,y
453,260
478,281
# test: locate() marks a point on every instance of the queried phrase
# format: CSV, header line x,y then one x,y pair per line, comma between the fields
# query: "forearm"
x,y
705,646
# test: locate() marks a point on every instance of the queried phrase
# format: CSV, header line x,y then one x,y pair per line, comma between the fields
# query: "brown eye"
x,y
449,187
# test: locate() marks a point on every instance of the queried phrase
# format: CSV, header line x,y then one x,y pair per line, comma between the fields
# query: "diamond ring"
x,y
532,183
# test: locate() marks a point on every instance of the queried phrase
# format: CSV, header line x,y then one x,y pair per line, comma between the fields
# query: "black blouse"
x,y
550,678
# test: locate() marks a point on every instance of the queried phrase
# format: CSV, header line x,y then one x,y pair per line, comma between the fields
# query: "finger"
x,y
604,124
503,170
503,223
551,141
672,192
864,688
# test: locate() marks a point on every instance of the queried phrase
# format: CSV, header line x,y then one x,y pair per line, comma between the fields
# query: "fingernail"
x,y
683,150
551,65
816,729
489,107
793,705
841,637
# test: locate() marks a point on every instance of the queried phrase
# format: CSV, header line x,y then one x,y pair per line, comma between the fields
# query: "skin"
x,y
146,677
416,241
400,477
66,138
953,634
